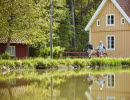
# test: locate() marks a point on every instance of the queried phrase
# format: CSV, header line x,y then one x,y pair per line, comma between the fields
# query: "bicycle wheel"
x,y
93,55
85,55
105,55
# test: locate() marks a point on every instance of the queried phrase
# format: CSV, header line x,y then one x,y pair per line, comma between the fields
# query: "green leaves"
x,y
23,18
30,20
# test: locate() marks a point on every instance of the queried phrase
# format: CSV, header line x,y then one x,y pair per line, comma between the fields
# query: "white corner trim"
x,y
95,15
121,10
90,35
100,8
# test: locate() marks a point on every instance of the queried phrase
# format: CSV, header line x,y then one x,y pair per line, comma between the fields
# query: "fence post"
x,y
59,54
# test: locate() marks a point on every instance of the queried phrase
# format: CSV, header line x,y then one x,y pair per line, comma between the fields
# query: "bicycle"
x,y
86,54
97,54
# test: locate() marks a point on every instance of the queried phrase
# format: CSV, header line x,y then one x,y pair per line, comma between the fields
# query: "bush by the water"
x,y
48,62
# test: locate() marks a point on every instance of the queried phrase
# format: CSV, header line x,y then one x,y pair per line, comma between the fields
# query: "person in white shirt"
x,y
101,48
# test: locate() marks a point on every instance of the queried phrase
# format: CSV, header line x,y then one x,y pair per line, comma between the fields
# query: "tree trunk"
x,y
73,24
8,44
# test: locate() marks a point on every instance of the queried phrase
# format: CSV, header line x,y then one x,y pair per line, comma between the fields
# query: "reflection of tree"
x,y
51,88
35,86
10,92
73,89
35,90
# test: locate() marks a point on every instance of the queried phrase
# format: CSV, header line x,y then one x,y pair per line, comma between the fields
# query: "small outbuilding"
x,y
16,49
111,24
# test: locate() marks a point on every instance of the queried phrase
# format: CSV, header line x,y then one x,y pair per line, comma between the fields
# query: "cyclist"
x,y
90,49
101,48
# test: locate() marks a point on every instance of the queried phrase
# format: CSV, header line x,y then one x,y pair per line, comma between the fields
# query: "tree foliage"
x,y
30,20
24,19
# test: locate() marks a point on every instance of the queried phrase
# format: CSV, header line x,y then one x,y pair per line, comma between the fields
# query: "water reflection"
x,y
116,87
37,85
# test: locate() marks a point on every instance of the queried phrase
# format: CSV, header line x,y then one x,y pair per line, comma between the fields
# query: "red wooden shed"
x,y
16,49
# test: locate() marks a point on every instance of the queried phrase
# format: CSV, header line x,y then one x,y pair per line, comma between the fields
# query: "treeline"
x,y
30,19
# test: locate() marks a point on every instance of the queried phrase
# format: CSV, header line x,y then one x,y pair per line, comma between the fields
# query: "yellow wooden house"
x,y
111,25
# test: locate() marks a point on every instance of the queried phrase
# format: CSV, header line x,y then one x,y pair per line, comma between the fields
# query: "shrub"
x,y
77,62
18,63
105,62
52,63
27,63
0,57
126,62
45,52
5,55
40,63
62,61
48,62
7,63
69,61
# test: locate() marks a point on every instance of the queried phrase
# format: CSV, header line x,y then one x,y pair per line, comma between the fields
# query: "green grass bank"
x,y
42,63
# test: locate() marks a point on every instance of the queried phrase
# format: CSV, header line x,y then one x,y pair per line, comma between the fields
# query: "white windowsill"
x,y
12,55
110,25
110,49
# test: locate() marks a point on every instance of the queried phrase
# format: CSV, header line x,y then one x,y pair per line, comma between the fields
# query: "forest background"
x,y
30,20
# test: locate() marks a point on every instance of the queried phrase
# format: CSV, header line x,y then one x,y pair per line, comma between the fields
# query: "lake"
x,y
65,85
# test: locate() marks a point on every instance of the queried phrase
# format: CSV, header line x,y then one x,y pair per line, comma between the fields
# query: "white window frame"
x,y
114,81
98,22
122,20
110,17
14,51
107,42
111,98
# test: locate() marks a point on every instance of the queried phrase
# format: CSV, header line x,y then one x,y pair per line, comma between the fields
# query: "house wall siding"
x,y
122,44
121,31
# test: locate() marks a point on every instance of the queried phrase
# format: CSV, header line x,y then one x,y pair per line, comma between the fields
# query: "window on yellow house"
x,y
110,20
122,21
98,22
110,41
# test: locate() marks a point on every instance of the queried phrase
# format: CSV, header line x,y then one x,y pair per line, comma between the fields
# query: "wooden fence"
x,y
70,54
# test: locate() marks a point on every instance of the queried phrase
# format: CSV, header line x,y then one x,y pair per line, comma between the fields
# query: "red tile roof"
x,y
125,5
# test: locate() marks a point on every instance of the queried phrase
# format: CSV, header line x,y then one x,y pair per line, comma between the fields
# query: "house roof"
x,y
125,5
13,40
122,5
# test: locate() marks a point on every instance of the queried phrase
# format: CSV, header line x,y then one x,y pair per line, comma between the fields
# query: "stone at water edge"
x,y
75,66
4,68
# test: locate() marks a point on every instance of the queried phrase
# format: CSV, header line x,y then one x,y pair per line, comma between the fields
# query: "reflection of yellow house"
x,y
116,87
